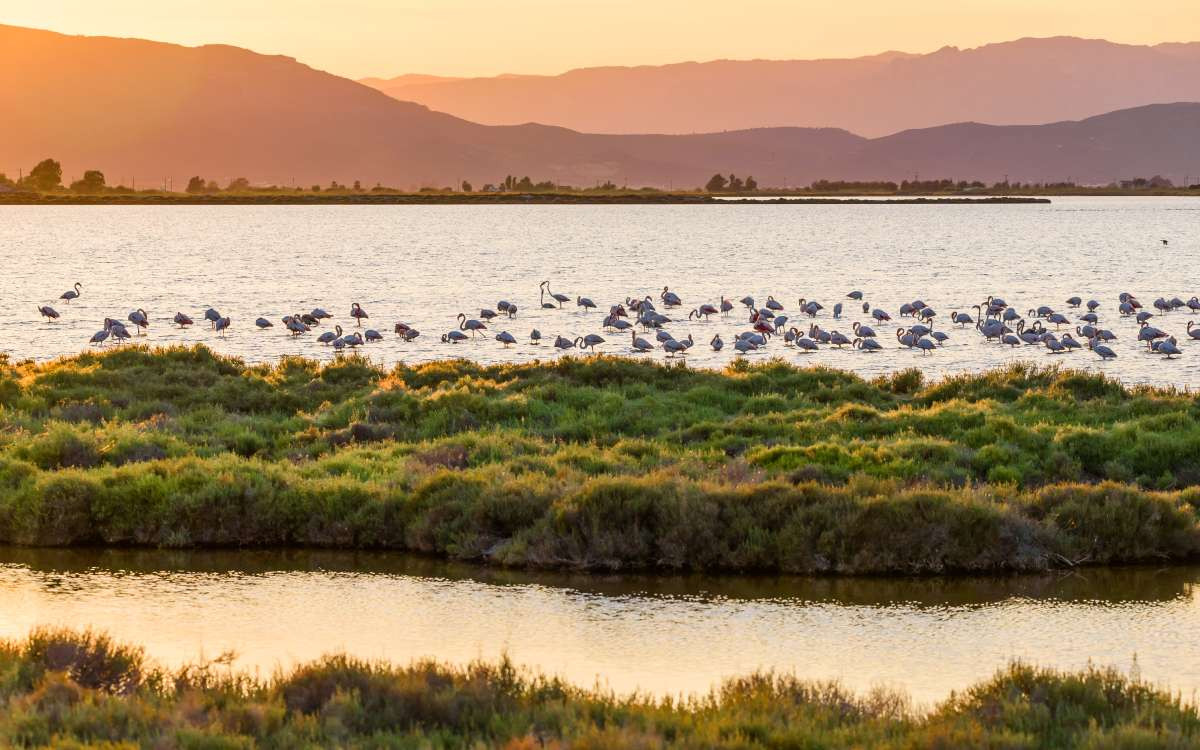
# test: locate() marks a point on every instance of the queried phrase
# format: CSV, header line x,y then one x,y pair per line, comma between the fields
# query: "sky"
x,y
358,38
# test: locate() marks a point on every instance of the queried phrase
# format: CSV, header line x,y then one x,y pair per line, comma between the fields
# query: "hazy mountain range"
x,y
1018,82
153,110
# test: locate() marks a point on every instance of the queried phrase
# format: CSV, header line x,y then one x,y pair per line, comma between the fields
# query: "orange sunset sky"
x,y
358,38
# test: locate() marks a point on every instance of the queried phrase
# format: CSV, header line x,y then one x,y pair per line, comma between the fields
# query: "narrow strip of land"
x,y
470,199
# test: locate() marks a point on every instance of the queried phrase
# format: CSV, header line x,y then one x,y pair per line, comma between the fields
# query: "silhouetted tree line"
x,y
47,177
719,183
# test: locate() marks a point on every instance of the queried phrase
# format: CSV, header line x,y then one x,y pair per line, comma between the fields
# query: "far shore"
x,y
634,198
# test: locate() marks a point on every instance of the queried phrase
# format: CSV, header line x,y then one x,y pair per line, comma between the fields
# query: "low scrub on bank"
x,y
60,688
600,463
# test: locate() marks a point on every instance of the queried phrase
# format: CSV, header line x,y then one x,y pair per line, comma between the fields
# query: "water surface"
x,y
665,635
424,264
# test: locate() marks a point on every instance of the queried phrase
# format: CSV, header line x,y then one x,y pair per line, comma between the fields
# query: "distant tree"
x,y
316,188
357,186
716,184
5,181
524,184
212,187
92,182
196,185
735,183
466,186
238,184
46,176
751,183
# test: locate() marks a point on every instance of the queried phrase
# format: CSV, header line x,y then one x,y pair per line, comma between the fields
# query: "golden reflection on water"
x,y
666,635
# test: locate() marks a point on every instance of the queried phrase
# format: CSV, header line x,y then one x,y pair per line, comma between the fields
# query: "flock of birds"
x,y
766,322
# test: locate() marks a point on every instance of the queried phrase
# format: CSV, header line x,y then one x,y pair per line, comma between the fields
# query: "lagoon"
x,y
665,635
424,264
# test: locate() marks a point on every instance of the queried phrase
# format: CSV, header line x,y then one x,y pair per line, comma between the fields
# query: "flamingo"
x,y
73,293
559,298
589,341
48,312
138,318
182,320
744,345
1168,348
1101,350
358,313
472,325
329,336
674,347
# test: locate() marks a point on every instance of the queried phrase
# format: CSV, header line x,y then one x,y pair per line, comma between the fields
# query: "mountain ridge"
x,y
1021,81
161,112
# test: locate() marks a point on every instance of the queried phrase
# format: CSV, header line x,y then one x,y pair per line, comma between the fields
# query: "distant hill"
x,y
155,111
1023,81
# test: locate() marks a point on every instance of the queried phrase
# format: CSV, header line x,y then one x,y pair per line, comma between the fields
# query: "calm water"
x,y
425,264
663,634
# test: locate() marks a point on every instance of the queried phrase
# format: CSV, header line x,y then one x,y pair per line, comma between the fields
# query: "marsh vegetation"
x,y
600,463
65,688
